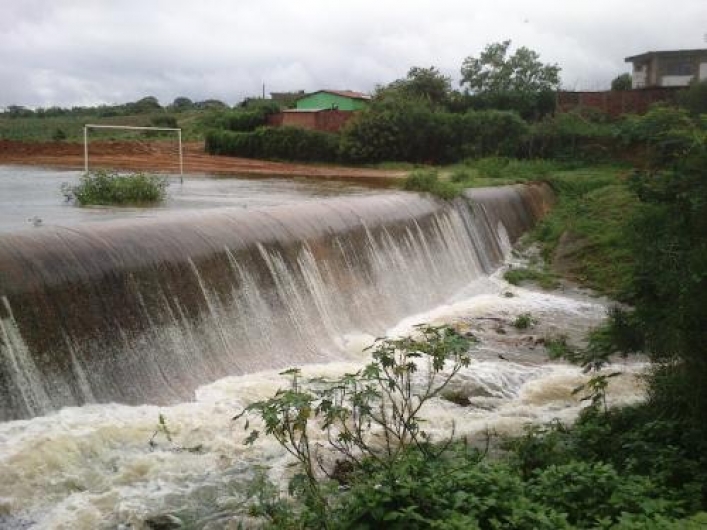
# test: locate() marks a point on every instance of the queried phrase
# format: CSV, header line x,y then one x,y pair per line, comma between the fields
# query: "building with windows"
x,y
675,68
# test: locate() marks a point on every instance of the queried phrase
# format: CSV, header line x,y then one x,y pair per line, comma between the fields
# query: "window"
x,y
677,67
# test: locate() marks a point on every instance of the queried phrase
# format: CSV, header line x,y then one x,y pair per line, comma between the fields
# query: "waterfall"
x,y
146,310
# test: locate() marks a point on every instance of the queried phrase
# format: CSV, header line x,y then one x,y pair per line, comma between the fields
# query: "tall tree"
x,y
622,82
495,71
427,84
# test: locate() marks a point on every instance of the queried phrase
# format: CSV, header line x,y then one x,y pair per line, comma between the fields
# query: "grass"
x,y
427,180
557,347
544,278
524,321
590,227
103,187
70,128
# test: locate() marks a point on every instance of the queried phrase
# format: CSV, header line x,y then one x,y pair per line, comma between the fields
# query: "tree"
x,y
182,103
496,72
694,99
622,82
427,84
211,104
144,105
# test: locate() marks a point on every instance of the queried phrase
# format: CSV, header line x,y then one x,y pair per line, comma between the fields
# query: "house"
x,y
344,100
675,68
327,120
324,110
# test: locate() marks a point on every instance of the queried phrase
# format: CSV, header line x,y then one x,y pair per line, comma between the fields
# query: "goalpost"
x,y
89,126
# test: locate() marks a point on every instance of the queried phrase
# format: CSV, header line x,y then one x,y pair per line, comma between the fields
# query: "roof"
x,y
665,53
343,93
303,111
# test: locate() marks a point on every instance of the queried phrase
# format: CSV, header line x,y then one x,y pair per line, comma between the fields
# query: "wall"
x,y
616,102
147,310
325,100
324,120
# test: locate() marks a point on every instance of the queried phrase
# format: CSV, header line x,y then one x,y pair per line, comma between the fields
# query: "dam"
x,y
144,311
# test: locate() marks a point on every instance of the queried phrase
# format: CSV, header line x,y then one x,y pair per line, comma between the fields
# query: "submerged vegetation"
x,y
102,187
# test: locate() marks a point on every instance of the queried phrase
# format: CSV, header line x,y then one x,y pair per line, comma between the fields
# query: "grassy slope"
x,y
584,236
38,129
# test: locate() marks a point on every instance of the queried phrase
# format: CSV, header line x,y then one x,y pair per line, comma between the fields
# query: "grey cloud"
x,y
69,52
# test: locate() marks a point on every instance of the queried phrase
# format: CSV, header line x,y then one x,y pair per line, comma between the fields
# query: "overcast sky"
x,y
84,52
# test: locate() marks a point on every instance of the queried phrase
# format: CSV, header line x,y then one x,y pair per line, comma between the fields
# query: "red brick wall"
x,y
616,102
325,120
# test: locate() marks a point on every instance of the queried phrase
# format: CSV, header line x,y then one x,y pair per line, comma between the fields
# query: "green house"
x,y
333,99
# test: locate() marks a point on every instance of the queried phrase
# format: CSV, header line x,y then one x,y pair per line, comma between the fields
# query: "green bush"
x,y
285,143
694,99
484,133
404,130
239,120
664,134
524,321
102,187
571,136
394,129
164,120
544,278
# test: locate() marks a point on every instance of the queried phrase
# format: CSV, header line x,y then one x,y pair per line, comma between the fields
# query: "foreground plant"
x,y
370,417
103,187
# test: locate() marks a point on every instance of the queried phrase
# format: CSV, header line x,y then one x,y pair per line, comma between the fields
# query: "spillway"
x,y
147,310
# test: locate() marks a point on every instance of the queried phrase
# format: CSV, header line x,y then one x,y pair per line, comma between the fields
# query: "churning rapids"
x,y
192,315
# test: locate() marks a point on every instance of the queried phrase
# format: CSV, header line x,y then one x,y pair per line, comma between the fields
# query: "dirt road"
x,y
162,157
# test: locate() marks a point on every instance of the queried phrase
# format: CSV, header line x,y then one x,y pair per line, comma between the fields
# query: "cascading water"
x,y
145,311
168,311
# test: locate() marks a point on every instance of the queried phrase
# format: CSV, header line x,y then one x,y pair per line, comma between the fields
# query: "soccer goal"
x,y
144,131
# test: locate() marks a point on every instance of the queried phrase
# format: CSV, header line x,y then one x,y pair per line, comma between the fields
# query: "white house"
x,y
668,68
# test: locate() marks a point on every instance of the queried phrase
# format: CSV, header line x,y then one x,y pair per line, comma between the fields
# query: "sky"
x,y
88,52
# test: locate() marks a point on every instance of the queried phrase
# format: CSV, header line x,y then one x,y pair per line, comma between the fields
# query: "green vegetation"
x,y
544,278
557,347
284,143
522,71
639,235
102,187
66,124
524,321
382,398
622,468
622,82
427,180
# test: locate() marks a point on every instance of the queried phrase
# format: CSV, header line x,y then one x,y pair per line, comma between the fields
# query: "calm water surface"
x,y
29,193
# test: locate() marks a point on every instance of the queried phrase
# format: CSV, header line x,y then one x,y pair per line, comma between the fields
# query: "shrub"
x,y
394,129
111,188
545,279
476,134
287,143
383,399
164,120
694,99
571,135
239,120
524,321
665,134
